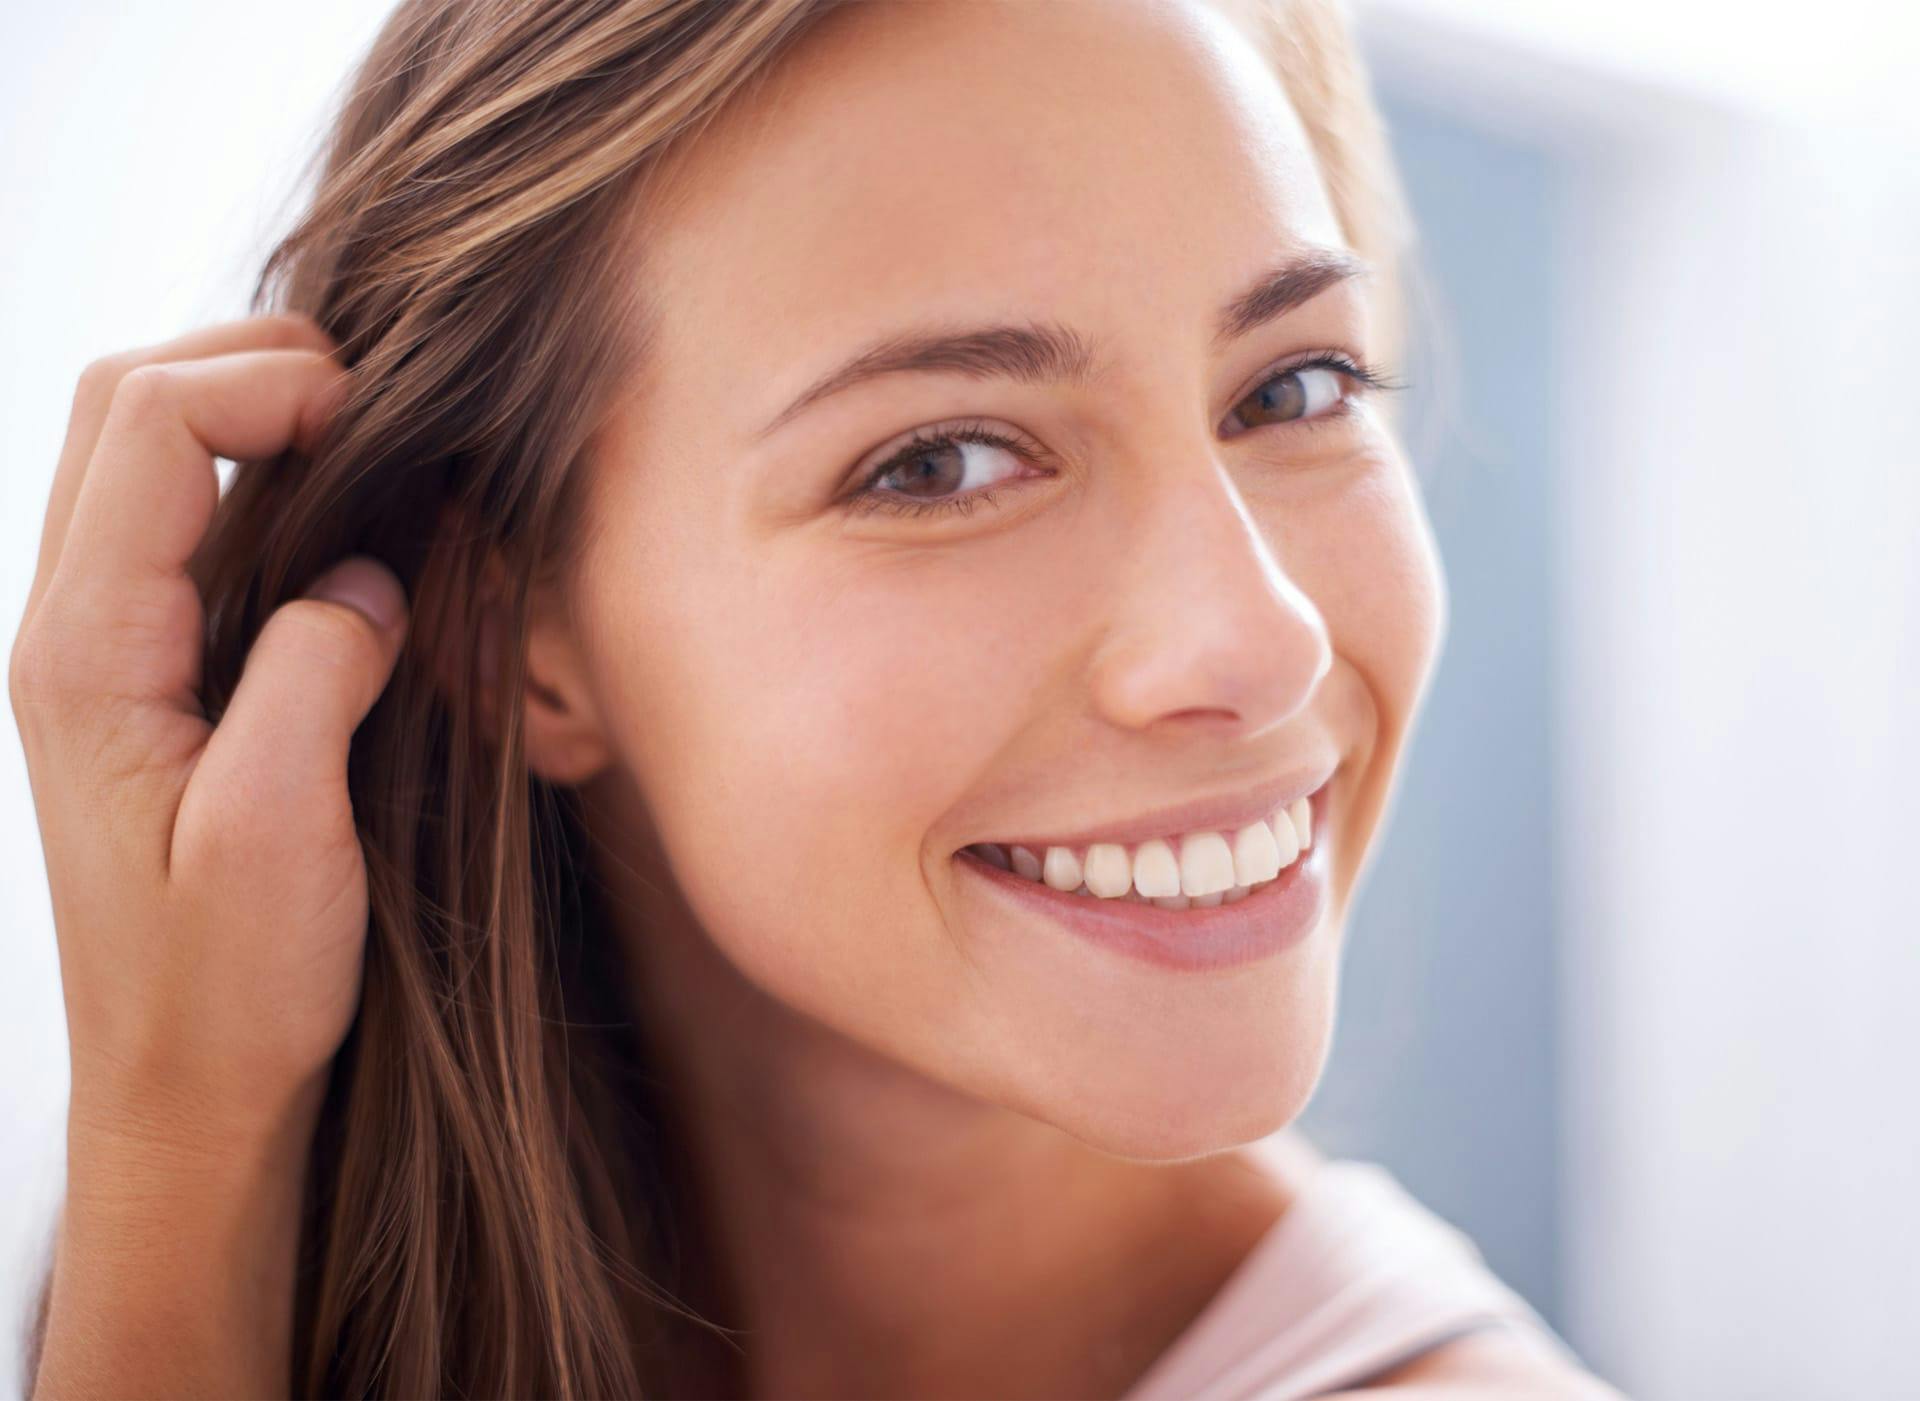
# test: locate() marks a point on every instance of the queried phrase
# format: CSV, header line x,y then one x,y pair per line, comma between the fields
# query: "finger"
x,y
94,394
310,678
150,490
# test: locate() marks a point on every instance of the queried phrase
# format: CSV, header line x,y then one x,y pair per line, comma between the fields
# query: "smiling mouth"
x,y
1189,870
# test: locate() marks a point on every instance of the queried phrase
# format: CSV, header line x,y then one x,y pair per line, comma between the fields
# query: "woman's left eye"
x,y
1307,391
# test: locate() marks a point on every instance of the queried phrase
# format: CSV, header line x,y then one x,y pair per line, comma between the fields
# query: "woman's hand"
x,y
209,890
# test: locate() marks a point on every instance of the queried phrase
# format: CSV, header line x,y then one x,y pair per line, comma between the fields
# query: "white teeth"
x,y
1061,869
1108,872
1285,838
1206,864
1156,874
1256,856
1209,869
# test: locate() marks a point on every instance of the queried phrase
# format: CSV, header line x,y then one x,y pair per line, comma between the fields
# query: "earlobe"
x,y
565,741
560,722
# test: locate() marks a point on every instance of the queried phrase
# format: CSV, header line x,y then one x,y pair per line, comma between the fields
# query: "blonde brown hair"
x,y
498,1202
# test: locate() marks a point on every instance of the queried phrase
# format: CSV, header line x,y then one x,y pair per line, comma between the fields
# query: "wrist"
x,y
177,1248
159,1132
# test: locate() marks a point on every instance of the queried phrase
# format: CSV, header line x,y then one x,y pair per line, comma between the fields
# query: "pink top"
x,y
1354,1279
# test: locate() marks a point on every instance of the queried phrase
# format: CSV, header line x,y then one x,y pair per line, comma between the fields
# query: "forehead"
x,y
1094,163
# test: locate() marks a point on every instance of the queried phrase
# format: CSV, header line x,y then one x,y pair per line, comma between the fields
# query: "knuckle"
x,y
145,390
76,660
329,634
103,372
98,380
30,671
55,698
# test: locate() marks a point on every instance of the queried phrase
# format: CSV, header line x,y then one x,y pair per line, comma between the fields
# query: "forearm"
x,y
174,1263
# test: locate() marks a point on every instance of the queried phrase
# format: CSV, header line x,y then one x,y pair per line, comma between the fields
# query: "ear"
x,y
565,741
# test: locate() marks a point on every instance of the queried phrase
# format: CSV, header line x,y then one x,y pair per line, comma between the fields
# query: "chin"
x,y
1209,1108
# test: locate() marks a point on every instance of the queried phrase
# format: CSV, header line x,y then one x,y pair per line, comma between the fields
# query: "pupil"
x,y
935,461
1285,397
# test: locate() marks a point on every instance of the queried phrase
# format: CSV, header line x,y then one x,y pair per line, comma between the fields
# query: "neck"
x,y
871,1231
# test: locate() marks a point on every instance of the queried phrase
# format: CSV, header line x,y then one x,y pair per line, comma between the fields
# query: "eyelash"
x,y
866,499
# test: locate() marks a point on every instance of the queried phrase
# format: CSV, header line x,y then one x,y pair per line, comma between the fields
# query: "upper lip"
x,y
1226,812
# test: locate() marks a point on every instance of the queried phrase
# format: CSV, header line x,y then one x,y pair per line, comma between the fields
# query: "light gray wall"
x,y
1444,1061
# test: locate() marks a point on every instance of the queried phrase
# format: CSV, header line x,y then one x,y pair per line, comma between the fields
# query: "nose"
x,y
1207,629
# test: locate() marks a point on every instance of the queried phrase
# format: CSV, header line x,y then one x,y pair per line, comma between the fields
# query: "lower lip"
x,y
1270,920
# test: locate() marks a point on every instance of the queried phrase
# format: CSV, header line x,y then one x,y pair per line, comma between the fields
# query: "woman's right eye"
x,y
941,470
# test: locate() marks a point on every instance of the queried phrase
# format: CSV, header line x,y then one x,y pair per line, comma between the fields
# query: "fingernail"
x,y
365,585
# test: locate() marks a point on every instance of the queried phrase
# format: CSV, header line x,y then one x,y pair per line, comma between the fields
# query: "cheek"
x,y
796,731
1364,552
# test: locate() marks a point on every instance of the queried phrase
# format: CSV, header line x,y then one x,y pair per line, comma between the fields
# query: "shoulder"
x,y
1359,1289
1490,1364
1514,1357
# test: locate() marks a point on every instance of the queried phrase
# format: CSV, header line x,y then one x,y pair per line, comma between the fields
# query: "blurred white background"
x,y
1632,991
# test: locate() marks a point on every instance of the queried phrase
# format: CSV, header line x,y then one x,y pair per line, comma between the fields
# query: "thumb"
x,y
313,673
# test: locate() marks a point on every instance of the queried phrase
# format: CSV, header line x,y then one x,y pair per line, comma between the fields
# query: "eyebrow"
x,y
1042,352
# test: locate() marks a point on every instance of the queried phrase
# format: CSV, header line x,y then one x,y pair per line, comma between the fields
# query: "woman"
x,y
876,609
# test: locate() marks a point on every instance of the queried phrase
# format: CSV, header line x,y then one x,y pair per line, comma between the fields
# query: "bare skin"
x,y
209,890
945,1153
925,1123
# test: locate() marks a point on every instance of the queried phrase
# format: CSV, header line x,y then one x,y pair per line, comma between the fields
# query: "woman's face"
x,y
1194,581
